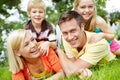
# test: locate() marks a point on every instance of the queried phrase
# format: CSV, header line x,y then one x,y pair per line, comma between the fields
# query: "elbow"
x,y
112,36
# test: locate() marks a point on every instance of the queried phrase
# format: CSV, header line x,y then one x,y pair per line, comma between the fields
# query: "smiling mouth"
x,y
34,51
38,18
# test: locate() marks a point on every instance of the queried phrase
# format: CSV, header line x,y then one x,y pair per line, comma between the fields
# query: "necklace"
x,y
38,75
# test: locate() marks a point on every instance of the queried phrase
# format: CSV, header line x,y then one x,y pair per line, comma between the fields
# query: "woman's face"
x,y
29,47
86,9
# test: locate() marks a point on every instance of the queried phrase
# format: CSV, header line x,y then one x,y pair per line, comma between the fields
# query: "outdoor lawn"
x,y
110,71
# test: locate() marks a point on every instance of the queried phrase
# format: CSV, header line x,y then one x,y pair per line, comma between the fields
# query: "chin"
x,y
74,46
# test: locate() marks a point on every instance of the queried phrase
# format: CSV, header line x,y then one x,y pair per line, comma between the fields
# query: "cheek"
x,y
78,10
65,37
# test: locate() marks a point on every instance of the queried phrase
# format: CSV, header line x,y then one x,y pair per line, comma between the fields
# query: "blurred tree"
x,y
115,17
6,27
101,5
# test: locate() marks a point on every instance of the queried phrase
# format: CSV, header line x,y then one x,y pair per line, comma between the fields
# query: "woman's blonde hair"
x,y
35,4
14,41
89,26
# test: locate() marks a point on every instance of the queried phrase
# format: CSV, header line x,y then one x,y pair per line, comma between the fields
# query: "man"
x,y
81,51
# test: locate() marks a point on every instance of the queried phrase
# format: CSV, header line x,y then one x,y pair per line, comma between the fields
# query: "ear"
x,y
17,53
28,14
82,26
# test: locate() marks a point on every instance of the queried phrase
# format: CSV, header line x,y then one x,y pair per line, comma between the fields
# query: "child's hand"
x,y
44,48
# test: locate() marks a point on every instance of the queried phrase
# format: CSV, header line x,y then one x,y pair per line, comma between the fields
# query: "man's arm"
x,y
69,66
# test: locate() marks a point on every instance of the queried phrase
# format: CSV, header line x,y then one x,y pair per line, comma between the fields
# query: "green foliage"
x,y
101,4
60,6
8,4
115,17
117,33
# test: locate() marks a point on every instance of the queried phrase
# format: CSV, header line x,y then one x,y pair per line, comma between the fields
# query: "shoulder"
x,y
18,76
26,24
100,21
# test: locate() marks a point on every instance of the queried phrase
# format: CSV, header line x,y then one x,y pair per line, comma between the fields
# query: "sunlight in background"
x,y
25,2
111,6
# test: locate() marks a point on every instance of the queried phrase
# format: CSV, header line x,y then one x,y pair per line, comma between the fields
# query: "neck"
x,y
32,60
84,39
36,25
35,66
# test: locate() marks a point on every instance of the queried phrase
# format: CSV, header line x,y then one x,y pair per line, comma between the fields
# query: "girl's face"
x,y
29,49
86,9
37,15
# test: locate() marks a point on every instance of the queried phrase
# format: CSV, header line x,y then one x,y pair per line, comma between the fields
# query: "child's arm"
x,y
107,33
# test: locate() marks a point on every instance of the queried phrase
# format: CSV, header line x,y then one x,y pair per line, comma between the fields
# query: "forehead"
x,y
86,2
27,36
34,8
68,25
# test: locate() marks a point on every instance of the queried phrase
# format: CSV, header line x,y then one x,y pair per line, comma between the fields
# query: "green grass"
x,y
5,73
110,71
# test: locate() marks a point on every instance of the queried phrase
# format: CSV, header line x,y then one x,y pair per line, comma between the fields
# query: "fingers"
x,y
84,73
47,52
89,72
43,51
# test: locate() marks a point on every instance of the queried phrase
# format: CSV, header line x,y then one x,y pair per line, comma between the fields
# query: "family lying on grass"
x,y
35,56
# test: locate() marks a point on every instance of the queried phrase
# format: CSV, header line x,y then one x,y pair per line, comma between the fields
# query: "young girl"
x,y
87,9
40,28
25,61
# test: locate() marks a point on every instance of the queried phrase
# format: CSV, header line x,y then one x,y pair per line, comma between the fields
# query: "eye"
x,y
33,11
32,39
73,31
26,44
82,7
91,6
64,33
41,12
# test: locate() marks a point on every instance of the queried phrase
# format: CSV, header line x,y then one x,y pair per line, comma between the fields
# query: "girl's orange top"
x,y
51,64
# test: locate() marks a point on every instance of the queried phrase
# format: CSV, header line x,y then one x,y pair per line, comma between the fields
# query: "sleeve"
x,y
18,76
52,37
54,60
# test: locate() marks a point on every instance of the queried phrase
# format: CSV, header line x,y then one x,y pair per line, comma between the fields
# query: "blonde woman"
x,y
25,60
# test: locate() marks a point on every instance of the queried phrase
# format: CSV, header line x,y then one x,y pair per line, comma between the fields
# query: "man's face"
x,y
72,33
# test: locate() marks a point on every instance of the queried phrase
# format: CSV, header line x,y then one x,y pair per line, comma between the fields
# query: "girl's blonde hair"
x,y
89,26
14,41
35,4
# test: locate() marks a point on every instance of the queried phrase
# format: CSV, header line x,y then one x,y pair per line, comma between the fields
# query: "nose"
x,y
69,37
32,44
38,14
87,9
